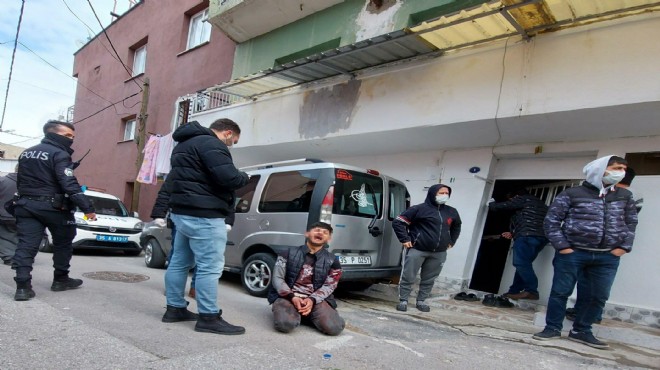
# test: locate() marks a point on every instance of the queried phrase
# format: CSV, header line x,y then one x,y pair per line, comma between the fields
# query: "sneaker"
x,y
65,284
402,306
423,307
547,334
588,339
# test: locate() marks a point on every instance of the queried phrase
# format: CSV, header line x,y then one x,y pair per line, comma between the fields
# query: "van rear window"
x,y
357,194
289,191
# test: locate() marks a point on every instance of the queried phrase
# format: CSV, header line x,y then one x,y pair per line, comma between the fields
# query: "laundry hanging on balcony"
x,y
164,153
147,173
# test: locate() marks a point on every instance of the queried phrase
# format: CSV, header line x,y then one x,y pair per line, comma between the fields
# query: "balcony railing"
x,y
207,100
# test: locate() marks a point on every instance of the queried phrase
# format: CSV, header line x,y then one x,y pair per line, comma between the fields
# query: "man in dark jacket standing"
x,y
427,231
591,226
528,240
203,179
8,237
49,194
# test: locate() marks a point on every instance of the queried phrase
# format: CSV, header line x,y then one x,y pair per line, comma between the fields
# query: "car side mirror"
x,y
136,215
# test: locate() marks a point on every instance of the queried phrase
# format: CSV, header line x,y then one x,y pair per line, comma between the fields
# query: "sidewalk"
x,y
631,345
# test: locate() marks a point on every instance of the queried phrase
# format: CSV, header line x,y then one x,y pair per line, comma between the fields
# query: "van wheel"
x,y
45,246
257,274
153,254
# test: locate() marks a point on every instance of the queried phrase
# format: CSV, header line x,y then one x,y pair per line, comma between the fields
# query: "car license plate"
x,y
355,260
112,238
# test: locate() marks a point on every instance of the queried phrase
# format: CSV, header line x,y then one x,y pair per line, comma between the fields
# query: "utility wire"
x,y
113,46
90,28
22,141
102,109
11,66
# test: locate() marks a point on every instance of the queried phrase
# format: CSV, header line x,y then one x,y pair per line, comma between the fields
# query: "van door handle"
x,y
251,218
375,231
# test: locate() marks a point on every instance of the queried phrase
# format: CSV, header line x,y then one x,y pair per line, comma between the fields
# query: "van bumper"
x,y
387,273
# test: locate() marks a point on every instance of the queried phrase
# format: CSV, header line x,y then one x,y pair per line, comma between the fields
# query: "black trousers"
x,y
32,217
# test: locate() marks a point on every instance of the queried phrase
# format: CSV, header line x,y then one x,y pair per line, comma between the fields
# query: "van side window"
x,y
398,196
245,194
355,194
289,191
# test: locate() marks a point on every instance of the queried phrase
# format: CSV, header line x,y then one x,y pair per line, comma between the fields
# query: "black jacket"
x,y
46,169
429,226
203,174
7,191
529,214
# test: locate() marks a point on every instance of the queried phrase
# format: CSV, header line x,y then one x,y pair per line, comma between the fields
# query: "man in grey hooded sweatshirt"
x,y
591,226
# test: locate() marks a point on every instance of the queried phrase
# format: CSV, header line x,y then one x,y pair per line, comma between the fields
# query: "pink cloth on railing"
x,y
147,173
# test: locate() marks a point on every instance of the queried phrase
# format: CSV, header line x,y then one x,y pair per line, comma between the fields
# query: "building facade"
x,y
490,98
171,44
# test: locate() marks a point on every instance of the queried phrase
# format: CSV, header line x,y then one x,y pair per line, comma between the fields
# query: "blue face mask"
x,y
613,177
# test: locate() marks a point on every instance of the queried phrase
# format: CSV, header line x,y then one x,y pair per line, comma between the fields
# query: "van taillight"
x,y
326,206
373,172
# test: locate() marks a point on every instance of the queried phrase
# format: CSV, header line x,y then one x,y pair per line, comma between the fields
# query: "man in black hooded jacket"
x,y
427,231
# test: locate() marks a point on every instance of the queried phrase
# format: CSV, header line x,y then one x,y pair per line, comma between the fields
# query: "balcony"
x,y
242,20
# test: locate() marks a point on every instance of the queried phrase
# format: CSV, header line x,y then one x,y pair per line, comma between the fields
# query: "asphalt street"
x,y
116,325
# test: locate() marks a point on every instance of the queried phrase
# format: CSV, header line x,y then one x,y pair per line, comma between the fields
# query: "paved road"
x,y
116,325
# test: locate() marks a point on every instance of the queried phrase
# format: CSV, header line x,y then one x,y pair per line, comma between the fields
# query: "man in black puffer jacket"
x,y
528,240
427,231
591,226
202,183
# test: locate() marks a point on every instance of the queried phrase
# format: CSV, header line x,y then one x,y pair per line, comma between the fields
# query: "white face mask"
x,y
441,199
613,177
229,141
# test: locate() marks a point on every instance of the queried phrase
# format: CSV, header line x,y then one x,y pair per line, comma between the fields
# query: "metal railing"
x,y
207,100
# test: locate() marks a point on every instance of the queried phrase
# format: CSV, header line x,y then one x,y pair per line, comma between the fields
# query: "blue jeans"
x,y
169,259
525,251
199,241
584,296
599,269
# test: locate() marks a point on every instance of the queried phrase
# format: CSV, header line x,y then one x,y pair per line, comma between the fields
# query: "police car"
x,y
114,229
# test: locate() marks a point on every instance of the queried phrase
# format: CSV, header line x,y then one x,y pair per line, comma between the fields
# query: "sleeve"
x,y
631,222
330,283
553,220
161,206
279,284
62,166
509,205
402,222
221,167
455,229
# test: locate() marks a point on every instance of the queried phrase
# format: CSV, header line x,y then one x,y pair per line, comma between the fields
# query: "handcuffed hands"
x,y
160,222
228,227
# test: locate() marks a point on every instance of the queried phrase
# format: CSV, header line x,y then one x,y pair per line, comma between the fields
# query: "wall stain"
x,y
328,110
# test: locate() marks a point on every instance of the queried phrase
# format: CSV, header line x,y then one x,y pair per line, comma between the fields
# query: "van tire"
x,y
45,246
153,254
257,274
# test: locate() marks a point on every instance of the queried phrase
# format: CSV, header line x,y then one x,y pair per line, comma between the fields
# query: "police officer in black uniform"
x,y
48,194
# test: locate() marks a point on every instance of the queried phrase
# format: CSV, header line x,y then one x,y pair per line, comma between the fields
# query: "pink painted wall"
x,y
172,73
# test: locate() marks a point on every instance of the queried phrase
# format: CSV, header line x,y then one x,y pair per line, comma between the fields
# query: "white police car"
x,y
114,229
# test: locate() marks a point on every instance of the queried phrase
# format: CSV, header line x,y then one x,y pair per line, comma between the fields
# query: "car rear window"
x,y
357,194
106,206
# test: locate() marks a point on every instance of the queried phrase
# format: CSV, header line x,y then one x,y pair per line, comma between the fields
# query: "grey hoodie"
x,y
594,171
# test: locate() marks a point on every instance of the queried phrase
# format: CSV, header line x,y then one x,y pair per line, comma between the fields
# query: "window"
x,y
200,29
245,194
357,194
399,200
107,206
182,113
139,60
129,129
644,163
289,191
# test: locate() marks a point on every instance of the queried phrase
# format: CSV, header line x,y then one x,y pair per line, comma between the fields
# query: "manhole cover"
x,y
124,277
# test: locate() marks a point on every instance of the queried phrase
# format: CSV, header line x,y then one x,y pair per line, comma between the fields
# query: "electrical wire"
x,y
90,28
102,109
11,66
22,141
130,73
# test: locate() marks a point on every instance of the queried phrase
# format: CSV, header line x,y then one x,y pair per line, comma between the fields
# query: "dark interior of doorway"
x,y
493,249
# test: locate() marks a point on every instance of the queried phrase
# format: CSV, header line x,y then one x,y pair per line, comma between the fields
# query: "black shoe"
x,y
7,262
24,294
547,334
65,284
588,339
423,307
176,314
214,323
489,300
402,306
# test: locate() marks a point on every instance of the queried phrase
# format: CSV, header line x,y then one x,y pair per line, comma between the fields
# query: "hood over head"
x,y
190,130
594,171
433,190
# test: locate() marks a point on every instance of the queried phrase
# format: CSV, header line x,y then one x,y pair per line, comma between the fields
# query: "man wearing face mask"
x,y
203,180
426,231
48,195
591,226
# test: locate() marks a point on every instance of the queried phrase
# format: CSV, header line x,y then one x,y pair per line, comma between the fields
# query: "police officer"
x,y
48,193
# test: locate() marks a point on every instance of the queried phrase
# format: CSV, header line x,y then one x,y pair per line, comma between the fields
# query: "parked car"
x,y
281,199
115,228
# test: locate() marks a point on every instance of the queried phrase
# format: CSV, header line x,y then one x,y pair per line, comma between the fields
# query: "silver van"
x,y
282,198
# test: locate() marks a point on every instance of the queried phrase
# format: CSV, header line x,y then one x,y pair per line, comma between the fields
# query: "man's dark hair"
x,y
320,224
630,175
224,124
53,126
615,159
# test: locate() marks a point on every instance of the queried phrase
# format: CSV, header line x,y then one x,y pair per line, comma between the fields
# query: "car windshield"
x,y
107,206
